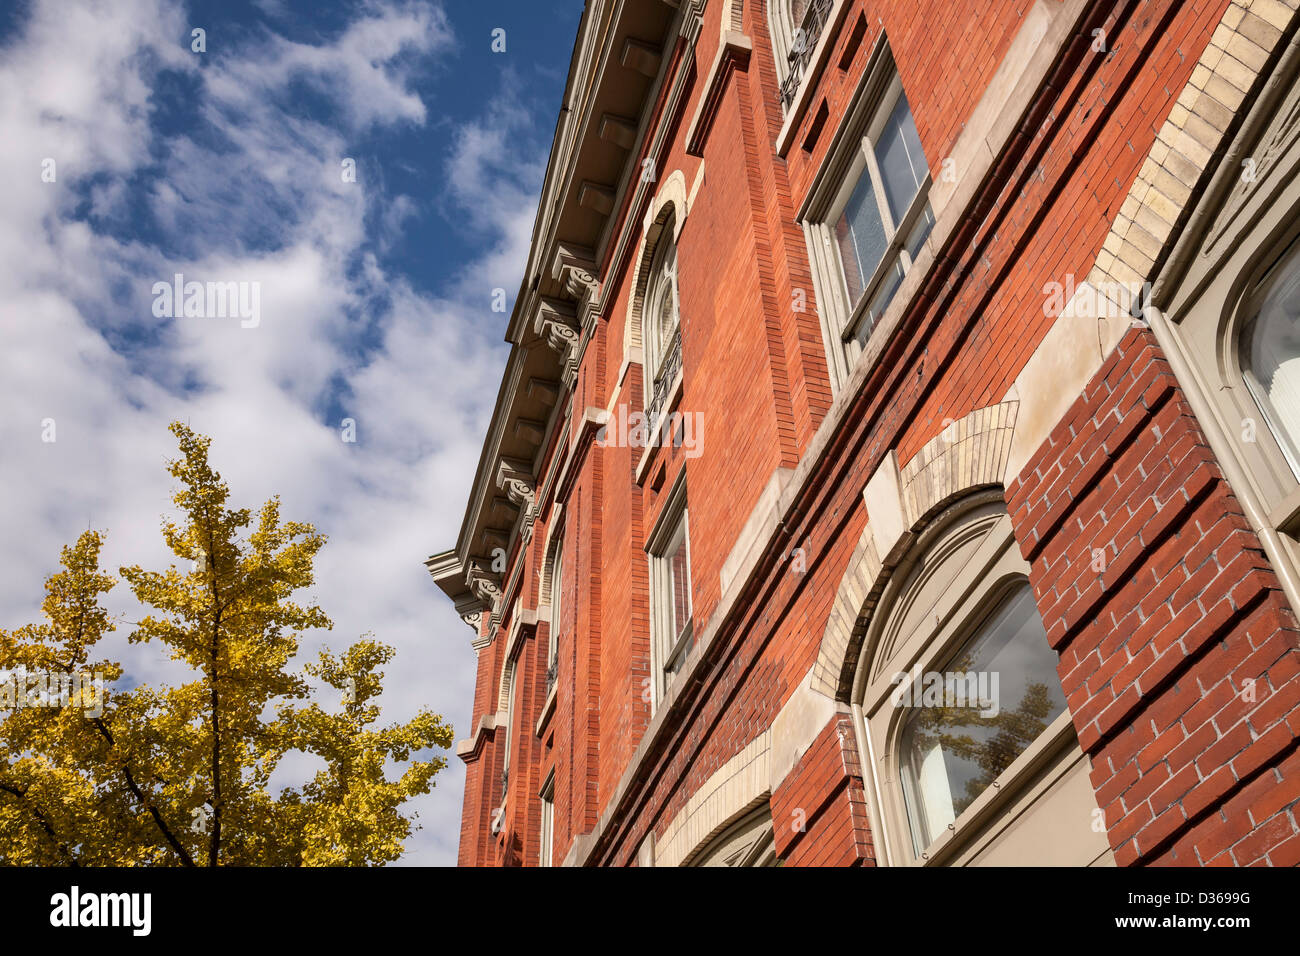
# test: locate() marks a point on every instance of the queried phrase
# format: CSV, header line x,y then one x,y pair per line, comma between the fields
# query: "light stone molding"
x,y
671,198
734,789
970,454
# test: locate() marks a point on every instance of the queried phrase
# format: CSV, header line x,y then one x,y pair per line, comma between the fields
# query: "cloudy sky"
x,y
127,157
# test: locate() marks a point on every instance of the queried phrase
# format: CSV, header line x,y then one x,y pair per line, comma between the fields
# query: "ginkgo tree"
x,y
93,773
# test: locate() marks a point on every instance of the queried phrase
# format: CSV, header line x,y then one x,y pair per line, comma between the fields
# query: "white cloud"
x,y
82,347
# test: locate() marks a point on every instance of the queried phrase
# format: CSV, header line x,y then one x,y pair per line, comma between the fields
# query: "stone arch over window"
x,y
724,807
968,455
937,596
744,842
669,207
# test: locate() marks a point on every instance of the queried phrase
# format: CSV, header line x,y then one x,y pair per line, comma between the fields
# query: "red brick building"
x,y
896,460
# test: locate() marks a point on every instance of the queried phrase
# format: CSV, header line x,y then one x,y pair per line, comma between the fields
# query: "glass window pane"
x,y
901,159
557,591
548,830
955,744
1272,360
880,302
680,575
920,231
861,237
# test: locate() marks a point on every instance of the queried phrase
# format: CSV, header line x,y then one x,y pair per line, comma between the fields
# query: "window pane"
x,y
952,749
557,591
902,162
680,575
1272,360
920,231
664,323
861,237
548,831
884,295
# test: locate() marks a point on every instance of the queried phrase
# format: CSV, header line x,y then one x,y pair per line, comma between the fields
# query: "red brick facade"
x,y
1179,658
1153,586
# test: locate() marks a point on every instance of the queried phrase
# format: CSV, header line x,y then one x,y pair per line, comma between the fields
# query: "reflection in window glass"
x,y
1271,359
949,755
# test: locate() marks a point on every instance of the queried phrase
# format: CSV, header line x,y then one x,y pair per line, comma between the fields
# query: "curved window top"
x,y
746,843
660,318
556,595
996,696
661,309
1270,357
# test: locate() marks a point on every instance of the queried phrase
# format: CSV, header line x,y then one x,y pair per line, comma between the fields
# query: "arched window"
x,y
791,35
950,753
556,599
1270,356
747,842
659,318
962,719
511,680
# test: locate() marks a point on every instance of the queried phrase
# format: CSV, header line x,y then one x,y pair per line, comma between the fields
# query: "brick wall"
x,y
1178,652
757,370
819,813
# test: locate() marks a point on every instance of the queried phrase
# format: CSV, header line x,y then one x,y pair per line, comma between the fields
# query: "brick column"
x,y
1178,652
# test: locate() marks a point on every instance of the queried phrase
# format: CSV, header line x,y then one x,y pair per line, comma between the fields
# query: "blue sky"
x,y
375,295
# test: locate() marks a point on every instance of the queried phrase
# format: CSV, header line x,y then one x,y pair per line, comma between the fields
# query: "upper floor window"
x,y
660,320
670,589
556,599
868,214
547,836
796,27
512,679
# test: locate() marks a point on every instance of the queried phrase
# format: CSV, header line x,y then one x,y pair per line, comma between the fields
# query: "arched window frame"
x,y
784,19
554,582
985,579
749,841
661,290
511,680
1209,290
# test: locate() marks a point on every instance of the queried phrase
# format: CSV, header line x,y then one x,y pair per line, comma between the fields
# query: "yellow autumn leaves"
x,y
180,775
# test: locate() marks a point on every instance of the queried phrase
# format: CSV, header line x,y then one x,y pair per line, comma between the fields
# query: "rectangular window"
x,y
548,821
670,584
868,213
883,216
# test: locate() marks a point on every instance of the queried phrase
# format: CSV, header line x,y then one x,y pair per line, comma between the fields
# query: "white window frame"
x,y
546,840
851,155
661,280
900,638
556,600
512,668
667,650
